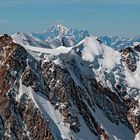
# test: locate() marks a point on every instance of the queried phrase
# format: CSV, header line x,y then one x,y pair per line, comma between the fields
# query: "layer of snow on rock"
x,y
56,119
26,39
116,132
137,136
56,51
133,78
94,48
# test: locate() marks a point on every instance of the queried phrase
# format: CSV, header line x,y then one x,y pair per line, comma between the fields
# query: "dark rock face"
x,y
67,91
129,58
134,118
18,120
137,48
22,119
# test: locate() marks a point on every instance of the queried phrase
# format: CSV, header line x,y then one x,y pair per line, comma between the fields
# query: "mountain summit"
x,y
59,35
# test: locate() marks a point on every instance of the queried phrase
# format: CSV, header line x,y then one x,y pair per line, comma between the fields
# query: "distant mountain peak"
x,y
61,27
58,35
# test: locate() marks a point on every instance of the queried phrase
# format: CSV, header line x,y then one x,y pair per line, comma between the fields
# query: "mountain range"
x,y
66,84
59,35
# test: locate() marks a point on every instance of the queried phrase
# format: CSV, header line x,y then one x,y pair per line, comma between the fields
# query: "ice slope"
x,y
26,39
117,132
57,51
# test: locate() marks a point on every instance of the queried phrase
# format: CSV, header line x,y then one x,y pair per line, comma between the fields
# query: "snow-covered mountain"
x,y
54,37
27,39
87,91
119,42
59,35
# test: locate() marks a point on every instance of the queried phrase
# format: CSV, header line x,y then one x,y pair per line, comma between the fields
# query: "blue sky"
x,y
99,17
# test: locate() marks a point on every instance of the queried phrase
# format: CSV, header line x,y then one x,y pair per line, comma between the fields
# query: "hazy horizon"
x,y
108,17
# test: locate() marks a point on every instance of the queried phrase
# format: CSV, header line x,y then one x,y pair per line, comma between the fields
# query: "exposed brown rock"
x,y
129,59
137,48
21,120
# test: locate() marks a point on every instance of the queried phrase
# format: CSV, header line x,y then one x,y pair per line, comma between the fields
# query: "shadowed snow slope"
x,y
26,39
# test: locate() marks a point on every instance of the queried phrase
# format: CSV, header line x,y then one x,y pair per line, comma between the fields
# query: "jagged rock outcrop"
x,y
19,119
128,55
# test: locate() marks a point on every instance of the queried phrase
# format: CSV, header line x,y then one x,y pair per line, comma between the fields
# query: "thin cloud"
x,y
8,3
15,3
12,3
2,21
